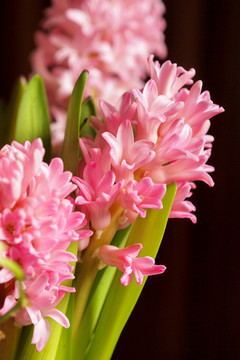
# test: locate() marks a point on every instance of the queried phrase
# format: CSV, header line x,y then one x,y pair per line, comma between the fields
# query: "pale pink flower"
x,y
138,196
92,153
128,155
113,116
106,37
97,192
125,260
182,208
37,225
177,120
159,133
18,165
150,109
169,77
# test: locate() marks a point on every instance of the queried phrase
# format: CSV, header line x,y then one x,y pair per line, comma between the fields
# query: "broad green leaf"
x,y
70,151
64,351
33,116
10,111
121,300
53,347
96,300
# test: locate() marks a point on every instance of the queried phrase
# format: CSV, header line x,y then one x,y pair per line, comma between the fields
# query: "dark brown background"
x,y
192,311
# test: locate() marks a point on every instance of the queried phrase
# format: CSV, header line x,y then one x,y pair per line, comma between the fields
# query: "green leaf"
x,y
121,300
64,351
9,113
33,116
70,151
96,301
88,110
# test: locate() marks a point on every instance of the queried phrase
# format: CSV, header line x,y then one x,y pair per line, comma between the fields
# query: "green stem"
x,y
86,271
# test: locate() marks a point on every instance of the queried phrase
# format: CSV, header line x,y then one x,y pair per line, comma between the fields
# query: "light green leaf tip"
x,y
33,119
70,150
121,300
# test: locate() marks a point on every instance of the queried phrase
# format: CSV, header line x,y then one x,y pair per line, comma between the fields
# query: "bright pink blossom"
x,y
138,196
177,120
182,208
37,225
125,260
159,133
97,192
128,155
113,116
169,77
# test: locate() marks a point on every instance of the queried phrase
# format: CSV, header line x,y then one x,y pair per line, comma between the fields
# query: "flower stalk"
x,y
88,266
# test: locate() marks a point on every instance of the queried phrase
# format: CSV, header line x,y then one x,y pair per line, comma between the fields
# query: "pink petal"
x,y
59,317
41,334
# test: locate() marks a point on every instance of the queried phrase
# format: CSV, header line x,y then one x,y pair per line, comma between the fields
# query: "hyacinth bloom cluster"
x,y
104,36
37,225
151,138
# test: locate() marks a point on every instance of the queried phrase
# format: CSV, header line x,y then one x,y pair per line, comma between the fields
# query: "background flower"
x,y
106,37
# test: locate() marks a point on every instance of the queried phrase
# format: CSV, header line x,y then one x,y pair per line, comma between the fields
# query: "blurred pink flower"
x,y
37,224
106,37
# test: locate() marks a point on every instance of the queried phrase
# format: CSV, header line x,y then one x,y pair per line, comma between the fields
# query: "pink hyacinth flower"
x,y
128,155
182,208
143,195
169,77
37,225
125,260
96,194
